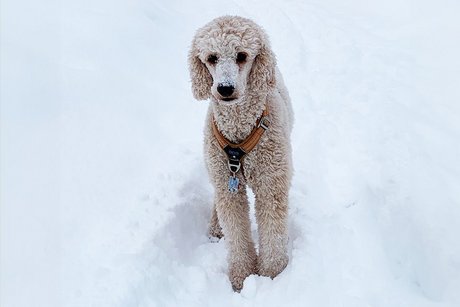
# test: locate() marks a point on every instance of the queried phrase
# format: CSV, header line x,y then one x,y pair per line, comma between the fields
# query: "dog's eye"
x,y
241,57
212,59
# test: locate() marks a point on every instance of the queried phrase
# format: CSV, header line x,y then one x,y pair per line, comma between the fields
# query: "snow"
x,y
104,195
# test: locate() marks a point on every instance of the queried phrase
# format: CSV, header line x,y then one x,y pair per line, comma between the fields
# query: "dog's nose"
x,y
225,90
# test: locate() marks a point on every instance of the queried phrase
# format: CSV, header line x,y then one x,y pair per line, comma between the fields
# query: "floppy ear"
x,y
263,77
201,78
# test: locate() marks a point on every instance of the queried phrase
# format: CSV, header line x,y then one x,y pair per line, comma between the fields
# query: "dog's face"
x,y
229,58
229,70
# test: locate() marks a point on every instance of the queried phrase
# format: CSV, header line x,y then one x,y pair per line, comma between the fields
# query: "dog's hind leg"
x,y
215,230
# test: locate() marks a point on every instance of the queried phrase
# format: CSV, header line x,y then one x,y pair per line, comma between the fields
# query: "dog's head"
x,y
230,58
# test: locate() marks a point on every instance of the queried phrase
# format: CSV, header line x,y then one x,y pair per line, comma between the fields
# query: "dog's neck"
x,y
236,121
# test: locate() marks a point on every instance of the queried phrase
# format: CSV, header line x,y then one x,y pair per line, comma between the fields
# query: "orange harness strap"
x,y
236,152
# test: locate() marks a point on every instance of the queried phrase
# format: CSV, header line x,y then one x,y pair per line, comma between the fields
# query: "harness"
x,y
236,152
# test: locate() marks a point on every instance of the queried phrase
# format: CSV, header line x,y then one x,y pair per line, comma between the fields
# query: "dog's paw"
x,y
240,270
272,266
237,280
215,232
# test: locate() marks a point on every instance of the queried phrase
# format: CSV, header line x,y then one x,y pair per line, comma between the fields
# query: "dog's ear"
x,y
263,75
201,78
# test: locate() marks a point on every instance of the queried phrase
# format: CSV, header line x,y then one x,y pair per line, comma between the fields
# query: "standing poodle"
x,y
247,141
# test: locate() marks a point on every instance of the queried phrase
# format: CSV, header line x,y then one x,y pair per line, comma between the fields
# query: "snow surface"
x,y
104,195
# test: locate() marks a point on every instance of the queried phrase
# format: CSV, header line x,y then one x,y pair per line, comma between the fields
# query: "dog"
x,y
246,142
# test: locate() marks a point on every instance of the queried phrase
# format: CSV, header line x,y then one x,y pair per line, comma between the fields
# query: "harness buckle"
x,y
264,123
234,155
234,165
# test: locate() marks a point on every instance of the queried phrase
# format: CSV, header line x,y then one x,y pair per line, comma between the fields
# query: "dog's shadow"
x,y
187,229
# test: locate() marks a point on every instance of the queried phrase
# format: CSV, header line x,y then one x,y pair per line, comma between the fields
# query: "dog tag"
x,y
233,184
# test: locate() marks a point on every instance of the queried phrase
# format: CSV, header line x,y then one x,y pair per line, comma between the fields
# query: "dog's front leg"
x,y
233,214
271,215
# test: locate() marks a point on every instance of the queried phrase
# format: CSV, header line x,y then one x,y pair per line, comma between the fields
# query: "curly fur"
x,y
267,169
